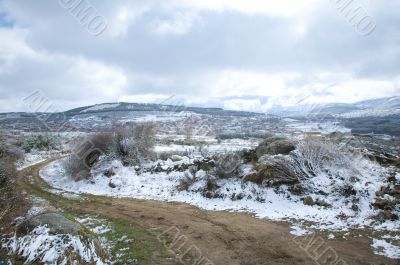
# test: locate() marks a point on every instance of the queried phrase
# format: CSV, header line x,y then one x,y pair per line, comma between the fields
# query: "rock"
x,y
109,173
397,162
308,201
395,191
381,192
253,177
387,215
211,186
56,222
237,197
323,203
353,179
297,189
112,185
275,146
280,147
348,191
354,207
382,204
176,158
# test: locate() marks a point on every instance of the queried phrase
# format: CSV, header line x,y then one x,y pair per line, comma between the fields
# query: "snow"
x,y
384,248
40,245
299,231
34,211
370,113
323,127
264,202
33,158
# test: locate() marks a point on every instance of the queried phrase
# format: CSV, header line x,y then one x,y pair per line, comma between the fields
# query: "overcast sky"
x,y
236,54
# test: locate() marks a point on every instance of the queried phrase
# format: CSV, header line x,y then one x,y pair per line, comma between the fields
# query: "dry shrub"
x,y
85,154
227,165
312,157
132,145
10,198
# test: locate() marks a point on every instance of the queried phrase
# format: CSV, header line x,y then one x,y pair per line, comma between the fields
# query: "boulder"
x,y
308,201
253,177
176,158
56,222
280,147
275,146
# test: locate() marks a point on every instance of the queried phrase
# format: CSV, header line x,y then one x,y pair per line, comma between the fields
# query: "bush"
x,y
312,157
133,145
85,154
40,142
127,144
3,147
10,198
227,165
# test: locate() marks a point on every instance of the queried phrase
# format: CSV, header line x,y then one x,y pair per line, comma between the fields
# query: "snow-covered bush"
x,y
40,142
42,246
312,157
132,145
227,165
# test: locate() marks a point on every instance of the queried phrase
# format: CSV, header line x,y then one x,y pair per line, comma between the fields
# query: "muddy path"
x,y
193,235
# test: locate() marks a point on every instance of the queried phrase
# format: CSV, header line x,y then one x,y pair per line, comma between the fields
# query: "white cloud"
x,y
243,104
270,7
180,23
60,78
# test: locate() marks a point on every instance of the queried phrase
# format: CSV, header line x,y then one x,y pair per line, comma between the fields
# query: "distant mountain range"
x,y
367,108
142,107
375,107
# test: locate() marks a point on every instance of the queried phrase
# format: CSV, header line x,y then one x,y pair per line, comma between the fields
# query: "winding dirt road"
x,y
217,238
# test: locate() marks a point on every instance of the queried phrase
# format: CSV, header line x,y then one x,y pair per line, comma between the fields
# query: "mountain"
x,y
367,108
143,107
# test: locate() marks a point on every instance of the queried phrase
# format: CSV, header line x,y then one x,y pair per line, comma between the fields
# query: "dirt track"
x,y
218,237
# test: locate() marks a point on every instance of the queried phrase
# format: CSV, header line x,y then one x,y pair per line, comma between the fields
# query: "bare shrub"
x,y
123,146
227,165
312,157
40,142
145,138
130,145
133,145
10,198
85,154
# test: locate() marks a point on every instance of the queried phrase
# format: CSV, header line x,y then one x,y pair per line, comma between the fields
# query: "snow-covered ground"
x,y
322,127
35,157
213,148
235,195
370,113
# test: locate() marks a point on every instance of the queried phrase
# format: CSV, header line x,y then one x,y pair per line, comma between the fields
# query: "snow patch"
x,y
384,248
40,245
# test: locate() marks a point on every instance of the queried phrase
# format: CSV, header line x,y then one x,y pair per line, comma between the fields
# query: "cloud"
x,y
230,53
70,80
